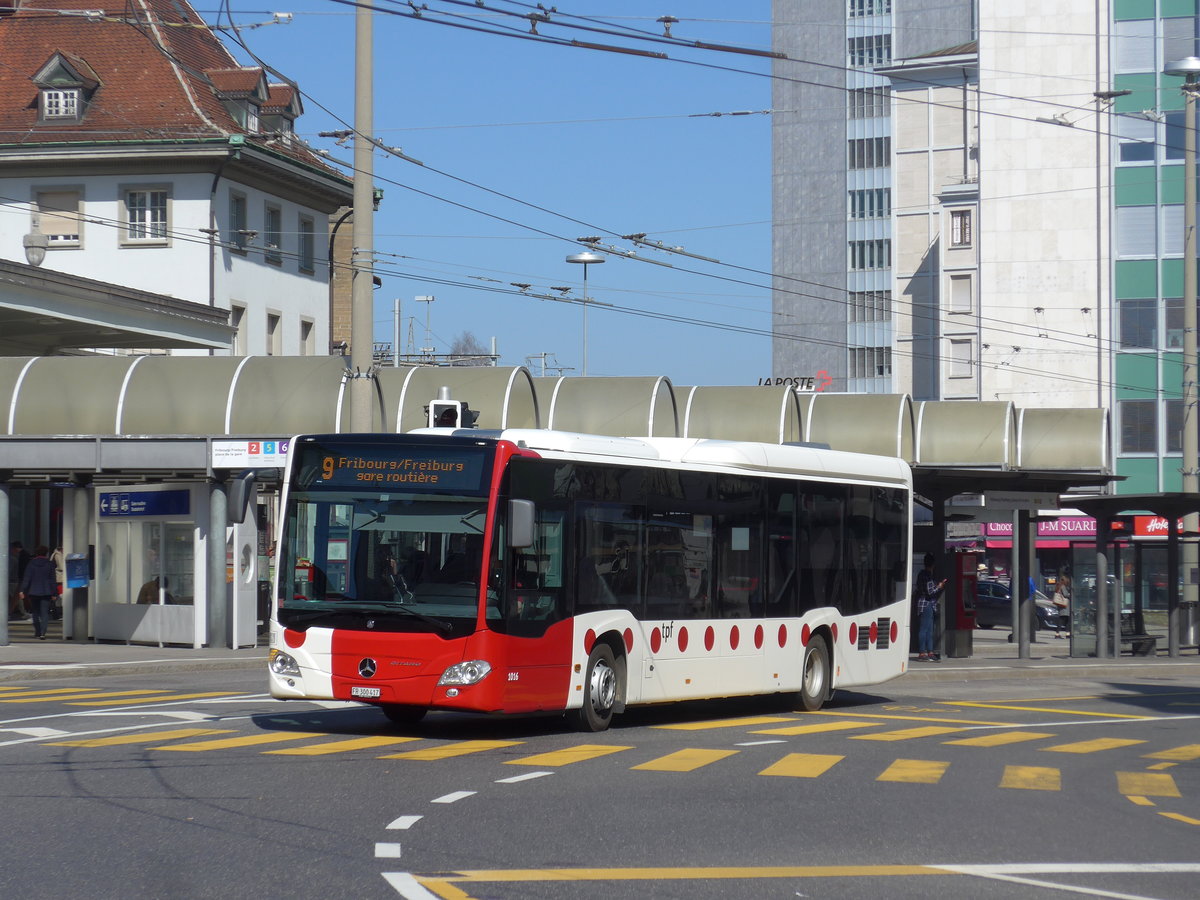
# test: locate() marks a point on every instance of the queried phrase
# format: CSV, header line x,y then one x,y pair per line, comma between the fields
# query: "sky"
x,y
580,143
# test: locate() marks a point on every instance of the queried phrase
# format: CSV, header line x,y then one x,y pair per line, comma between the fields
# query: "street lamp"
x,y
1189,68
585,259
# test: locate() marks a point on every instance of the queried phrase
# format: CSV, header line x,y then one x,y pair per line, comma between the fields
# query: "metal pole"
x,y
1189,68
585,305
396,333
362,260
5,562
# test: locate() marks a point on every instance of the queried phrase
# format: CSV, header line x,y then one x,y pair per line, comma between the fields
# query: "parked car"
x,y
993,606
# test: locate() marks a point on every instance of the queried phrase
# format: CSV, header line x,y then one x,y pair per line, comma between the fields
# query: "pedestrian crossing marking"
x,y
143,737
1162,765
802,765
685,760
905,734
97,696
1042,709
1092,746
568,756
1000,739
1185,753
247,740
1147,784
1032,778
158,699
448,751
725,723
815,728
1179,817
343,746
53,694
915,771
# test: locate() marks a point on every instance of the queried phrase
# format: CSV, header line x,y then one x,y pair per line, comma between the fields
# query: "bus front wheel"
x,y
400,714
814,686
600,687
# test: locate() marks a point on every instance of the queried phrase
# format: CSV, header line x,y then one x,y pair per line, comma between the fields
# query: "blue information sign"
x,y
145,503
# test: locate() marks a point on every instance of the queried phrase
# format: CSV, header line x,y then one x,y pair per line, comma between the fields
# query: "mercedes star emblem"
x,y
366,667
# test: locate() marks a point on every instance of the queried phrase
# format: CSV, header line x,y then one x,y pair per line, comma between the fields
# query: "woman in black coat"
x,y
39,584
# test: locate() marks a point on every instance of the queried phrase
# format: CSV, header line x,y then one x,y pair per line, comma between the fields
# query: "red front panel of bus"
x,y
528,674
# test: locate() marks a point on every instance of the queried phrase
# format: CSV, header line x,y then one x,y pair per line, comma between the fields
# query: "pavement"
x,y
992,657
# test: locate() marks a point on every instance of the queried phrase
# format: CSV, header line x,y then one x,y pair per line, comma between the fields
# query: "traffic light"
x,y
451,414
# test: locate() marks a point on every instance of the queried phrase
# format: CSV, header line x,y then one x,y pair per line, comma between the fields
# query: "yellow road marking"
x,y
570,755
1092,746
1000,739
915,771
90,696
447,751
361,743
815,728
802,765
685,760
1139,801
49,695
843,714
679,873
157,699
143,737
1147,784
249,740
725,723
904,734
1031,778
1185,753
444,889
1179,817
1042,709
1166,765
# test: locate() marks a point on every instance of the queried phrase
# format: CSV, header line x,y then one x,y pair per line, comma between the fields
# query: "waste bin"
x,y
1189,624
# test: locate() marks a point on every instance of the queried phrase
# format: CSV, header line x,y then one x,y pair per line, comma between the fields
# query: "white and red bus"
x,y
526,570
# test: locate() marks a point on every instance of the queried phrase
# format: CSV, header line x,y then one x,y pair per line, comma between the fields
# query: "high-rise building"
x,y
984,202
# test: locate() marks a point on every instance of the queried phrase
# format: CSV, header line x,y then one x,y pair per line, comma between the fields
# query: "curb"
x,y
39,671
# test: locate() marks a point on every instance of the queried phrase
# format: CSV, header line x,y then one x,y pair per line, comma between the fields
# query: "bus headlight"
x,y
283,663
470,672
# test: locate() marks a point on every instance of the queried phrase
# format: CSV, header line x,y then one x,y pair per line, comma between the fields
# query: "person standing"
x,y
39,584
926,591
18,559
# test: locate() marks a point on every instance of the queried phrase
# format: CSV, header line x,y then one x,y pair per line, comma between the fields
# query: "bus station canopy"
x,y
117,418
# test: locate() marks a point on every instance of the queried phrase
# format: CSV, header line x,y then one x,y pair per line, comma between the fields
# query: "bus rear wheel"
x,y
814,684
400,714
600,690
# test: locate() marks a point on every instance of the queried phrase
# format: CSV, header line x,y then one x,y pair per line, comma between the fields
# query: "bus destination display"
x,y
401,468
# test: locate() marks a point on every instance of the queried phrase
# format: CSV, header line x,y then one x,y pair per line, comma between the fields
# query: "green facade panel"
x,y
1133,9
1172,376
1135,186
1172,478
1143,87
1141,475
1137,279
1137,376
1171,180
1169,9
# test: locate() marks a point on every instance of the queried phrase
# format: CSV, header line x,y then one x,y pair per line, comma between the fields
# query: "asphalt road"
x,y
198,785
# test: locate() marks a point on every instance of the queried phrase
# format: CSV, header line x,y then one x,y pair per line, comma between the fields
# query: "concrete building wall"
x,y
1044,242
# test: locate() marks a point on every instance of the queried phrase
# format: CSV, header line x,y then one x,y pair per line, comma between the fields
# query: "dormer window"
x,y
65,84
60,104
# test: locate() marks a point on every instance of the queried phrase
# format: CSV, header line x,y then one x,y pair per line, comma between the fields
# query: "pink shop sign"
x,y
1066,527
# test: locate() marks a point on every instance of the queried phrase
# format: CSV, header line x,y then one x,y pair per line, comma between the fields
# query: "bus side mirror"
x,y
521,515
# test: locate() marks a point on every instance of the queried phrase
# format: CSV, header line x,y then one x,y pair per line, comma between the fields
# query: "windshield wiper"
x,y
388,606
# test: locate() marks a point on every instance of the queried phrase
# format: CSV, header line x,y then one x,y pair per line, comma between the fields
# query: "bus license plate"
x,y
359,691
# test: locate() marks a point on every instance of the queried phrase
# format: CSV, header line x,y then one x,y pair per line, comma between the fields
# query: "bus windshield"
x,y
405,555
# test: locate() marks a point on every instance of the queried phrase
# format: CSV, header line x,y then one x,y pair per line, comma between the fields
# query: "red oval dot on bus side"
x,y
895,631
782,635
854,632
805,634
589,640
655,640
874,632
833,628
734,638
294,638
710,638
628,635
758,637
682,639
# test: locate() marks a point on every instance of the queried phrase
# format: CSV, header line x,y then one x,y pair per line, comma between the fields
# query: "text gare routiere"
x,y
409,470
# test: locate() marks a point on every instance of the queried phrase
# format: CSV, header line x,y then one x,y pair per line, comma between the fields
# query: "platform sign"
x,y
256,453
120,504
